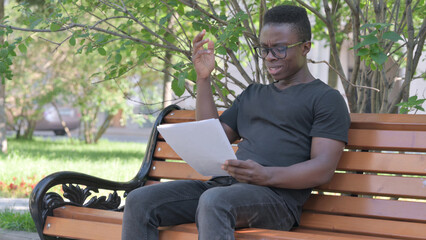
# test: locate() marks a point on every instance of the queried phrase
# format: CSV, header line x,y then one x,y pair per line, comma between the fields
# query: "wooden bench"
x,y
377,192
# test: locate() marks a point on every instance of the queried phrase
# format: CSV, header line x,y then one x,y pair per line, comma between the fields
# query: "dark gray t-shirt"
x,y
277,126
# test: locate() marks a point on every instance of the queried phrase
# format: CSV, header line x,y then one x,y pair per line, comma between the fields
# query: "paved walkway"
x,y
15,204
15,235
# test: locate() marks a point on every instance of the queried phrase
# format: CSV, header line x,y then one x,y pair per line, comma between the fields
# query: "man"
x,y
293,132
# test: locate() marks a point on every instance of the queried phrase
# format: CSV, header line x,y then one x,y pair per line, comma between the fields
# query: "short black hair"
x,y
289,14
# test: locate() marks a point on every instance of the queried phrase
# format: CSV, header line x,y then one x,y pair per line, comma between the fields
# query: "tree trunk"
x,y
167,82
332,75
63,123
102,129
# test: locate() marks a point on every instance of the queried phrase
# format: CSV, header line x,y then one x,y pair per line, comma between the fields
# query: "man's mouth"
x,y
274,70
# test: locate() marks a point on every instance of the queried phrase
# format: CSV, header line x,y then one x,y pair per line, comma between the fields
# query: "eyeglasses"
x,y
278,52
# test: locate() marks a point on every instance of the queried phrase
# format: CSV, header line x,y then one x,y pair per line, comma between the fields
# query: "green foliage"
x,y
157,36
413,104
7,52
370,48
136,33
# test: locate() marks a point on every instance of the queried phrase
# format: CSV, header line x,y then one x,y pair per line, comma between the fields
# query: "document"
x,y
202,144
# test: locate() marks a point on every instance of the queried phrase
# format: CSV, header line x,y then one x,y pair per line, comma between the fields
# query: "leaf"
x,y
221,50
4,53
54,27
233,46
118,58
363,52
379,58
72,41
403,110
419,108
370,34
196,26
165,19
192,75
34,22
176,88
412,99
28,40
102,51
393,36
370,39
22,48
3,67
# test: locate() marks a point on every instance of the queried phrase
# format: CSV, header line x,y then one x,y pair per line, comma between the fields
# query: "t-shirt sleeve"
x,y
331,117
230,115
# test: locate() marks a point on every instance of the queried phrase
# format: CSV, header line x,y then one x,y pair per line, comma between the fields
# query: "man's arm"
x,y
204,63
325,154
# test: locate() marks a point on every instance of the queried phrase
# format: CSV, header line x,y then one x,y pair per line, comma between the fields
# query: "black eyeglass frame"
x,y
284,48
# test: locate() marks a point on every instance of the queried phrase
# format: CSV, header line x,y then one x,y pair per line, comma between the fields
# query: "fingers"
x,y
241,170
200,36
198,43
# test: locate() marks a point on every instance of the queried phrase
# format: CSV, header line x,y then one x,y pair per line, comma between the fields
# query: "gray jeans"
x,y
217,207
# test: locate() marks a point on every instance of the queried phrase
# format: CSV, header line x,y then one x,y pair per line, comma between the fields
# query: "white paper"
x,y
202,144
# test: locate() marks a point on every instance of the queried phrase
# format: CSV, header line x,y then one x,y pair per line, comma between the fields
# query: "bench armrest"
x,y
42,202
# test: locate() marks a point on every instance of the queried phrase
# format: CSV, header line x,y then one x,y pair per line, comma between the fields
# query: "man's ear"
x,y
306,48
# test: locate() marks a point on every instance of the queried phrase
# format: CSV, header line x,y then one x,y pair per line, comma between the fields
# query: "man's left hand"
x,y
247,171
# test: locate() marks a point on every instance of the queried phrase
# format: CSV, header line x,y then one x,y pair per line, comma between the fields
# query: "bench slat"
x,y
386,140
367,207
408,164
377,185
351,161
355,225
79,229
174,170
388,121
358,120
88,214
98,218
352,236
373,140
164,151
391,186
253,234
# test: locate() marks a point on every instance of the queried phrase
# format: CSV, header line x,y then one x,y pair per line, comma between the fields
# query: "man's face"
x,y
276,35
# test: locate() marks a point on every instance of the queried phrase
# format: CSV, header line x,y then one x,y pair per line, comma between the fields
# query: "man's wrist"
x,y
203,79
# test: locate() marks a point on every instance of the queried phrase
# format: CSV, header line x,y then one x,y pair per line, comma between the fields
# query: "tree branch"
x,y
194,5
342,77
76,25
313,10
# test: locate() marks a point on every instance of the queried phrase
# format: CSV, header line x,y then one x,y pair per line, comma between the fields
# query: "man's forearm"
x,y
205,106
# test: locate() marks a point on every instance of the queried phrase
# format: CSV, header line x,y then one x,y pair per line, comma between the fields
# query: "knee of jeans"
x,y
213,199
137,197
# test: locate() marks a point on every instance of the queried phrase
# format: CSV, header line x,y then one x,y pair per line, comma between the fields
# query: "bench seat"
x,y
377,192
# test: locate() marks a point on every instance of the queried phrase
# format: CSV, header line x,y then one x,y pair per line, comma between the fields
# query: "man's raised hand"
x,y
203,59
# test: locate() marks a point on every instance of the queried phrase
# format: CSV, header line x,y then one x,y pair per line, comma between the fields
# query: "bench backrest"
x,y
379,187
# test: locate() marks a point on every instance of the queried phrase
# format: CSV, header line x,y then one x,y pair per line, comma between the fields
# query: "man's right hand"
x,y
203,59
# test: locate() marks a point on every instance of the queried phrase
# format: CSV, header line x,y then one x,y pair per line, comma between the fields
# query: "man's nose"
x,y
270,56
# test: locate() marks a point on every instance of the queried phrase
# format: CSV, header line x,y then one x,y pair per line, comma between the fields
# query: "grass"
x,y
29,161
16,221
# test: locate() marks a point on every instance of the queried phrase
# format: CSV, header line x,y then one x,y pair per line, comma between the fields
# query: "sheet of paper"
x,y
202,144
